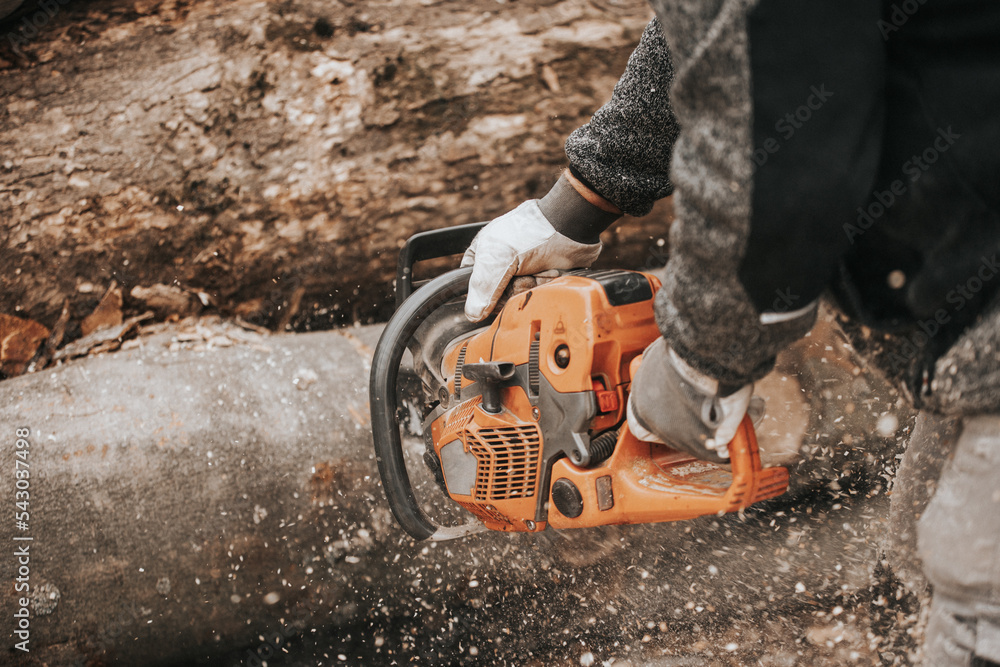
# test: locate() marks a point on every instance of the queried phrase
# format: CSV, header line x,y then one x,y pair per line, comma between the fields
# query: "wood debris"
x,y
167,300
107,314
293,308
249,326
19,341
58,331
210,332
104,339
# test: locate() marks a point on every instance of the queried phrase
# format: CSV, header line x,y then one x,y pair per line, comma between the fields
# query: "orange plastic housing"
x,y
645,482
509,455
582,342
573,311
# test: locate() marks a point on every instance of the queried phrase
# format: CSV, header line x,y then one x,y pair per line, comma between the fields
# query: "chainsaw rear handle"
x,y
382,398
744,457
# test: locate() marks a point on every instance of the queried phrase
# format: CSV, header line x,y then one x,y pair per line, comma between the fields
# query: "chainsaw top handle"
x,y
382,397
430,245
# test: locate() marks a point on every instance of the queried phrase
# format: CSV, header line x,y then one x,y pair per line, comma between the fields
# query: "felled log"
x,y
255,151
190,500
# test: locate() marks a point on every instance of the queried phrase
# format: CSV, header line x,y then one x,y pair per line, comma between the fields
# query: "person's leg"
x,y
950,638
930,446
959,542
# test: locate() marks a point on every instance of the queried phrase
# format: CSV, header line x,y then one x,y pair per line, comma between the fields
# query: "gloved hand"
x,y
559,231
672,403
519,243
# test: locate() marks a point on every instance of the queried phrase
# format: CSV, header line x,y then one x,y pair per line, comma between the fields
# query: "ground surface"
x,y
796,581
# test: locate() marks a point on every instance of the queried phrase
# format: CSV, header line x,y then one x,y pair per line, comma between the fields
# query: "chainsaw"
x,y
523,415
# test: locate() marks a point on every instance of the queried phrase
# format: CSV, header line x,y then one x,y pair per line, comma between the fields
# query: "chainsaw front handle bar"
x,y
382,399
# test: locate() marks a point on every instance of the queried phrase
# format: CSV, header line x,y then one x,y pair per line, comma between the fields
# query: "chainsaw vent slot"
x,y
459,365
508,461
486,513
534,375
461,415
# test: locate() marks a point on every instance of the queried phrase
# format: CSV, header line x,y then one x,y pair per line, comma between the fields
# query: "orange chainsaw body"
x,y
557,450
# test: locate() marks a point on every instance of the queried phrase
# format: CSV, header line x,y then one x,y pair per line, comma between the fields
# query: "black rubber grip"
x,y
430,245
382,396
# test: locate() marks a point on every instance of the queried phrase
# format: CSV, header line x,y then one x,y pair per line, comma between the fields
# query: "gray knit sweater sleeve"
x,y
623,153
634,151
703,310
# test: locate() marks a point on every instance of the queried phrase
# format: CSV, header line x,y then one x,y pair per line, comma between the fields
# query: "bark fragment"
x,y
107,314
19,340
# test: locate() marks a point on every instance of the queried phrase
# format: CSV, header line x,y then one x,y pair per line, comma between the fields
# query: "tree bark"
x,y
274,156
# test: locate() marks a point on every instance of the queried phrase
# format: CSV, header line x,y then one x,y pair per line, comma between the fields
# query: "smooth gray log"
x,y
181,499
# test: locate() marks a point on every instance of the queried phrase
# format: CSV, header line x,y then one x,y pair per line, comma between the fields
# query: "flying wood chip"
x,y
19,340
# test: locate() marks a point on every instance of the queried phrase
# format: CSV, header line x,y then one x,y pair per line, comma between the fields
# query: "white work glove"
x,y
519,243
672,403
